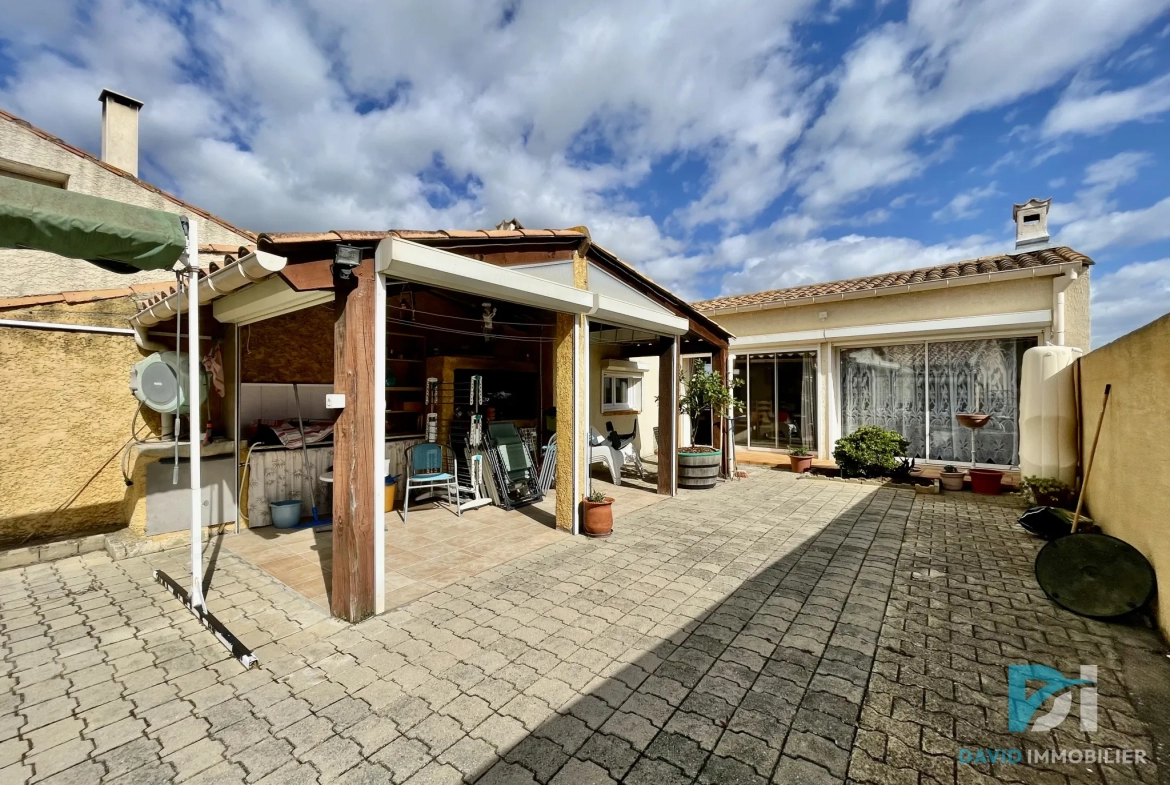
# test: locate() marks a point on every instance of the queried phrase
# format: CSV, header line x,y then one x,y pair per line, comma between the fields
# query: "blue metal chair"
x,y
432,466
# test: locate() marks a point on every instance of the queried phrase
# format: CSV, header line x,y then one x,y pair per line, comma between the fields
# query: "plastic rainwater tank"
x,y
1048,415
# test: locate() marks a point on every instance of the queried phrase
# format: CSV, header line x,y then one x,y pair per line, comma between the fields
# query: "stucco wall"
x,y
1128,493
1030,294
33,272
65,409
1077,324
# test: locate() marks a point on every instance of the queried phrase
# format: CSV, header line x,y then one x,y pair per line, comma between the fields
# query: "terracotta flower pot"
x,y
986,481
800,463
951,481
598,518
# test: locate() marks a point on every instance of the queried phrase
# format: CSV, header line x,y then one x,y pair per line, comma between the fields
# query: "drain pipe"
x,y
1059,284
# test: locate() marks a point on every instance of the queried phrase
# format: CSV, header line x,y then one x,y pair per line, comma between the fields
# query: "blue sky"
x,y
723,147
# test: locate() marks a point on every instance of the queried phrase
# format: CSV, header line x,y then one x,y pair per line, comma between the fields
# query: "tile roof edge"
x,y
48,137
710,305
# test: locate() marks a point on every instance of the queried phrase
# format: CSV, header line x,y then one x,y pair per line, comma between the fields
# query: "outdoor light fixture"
x,y
345,259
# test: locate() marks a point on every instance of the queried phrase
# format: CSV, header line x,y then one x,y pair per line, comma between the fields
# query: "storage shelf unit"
x,y
405,382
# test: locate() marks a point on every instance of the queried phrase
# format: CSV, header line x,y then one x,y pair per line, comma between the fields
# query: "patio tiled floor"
x,y
769,630
431,549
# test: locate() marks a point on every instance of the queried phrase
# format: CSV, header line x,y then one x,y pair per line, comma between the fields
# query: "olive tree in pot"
x,y
703,391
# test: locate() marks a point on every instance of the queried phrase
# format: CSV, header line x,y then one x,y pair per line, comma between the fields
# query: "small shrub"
x,y
799,452
1048,491
869,451
597,497
950,469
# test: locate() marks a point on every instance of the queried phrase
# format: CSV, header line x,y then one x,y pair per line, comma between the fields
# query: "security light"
x,y
345,259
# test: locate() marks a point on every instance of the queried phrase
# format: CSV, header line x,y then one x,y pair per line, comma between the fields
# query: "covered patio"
x,y
347,353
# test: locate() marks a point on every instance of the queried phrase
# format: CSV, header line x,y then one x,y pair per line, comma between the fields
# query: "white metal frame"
x,y
747,355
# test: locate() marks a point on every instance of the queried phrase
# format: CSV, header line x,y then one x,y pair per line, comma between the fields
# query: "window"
x,y
917,389
32,174
621,393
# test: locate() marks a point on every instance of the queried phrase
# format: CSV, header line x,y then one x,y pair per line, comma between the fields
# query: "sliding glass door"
x,y
777,405
917,389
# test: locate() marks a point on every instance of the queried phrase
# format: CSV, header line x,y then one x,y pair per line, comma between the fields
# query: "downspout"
x,y
1059,284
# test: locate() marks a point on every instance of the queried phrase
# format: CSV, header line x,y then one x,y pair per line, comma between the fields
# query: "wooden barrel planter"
x,y
698,469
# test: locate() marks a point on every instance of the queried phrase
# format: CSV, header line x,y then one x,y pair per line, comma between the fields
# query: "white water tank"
x,y
1048,414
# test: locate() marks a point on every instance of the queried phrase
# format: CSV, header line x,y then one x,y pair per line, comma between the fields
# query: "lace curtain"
x,y
886,386
891,386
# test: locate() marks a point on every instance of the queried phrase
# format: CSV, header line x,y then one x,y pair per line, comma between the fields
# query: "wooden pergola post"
x,y
353,450
668,368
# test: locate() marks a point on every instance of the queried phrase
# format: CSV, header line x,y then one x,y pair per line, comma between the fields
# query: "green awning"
x,y
120,237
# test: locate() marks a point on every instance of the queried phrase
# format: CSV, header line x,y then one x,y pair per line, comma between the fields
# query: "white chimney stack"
x,y
1031,219
120,130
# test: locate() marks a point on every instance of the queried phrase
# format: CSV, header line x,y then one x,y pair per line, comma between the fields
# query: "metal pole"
x,y
193,412
236,434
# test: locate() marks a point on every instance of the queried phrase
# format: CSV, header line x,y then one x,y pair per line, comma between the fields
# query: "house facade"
x,y
65,344
905,350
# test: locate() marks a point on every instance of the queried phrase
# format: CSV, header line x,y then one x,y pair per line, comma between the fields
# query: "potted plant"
x,y
598,517
951,478
1048,492
698,465
800,460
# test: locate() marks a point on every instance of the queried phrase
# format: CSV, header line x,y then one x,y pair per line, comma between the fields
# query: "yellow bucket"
x,y
391,490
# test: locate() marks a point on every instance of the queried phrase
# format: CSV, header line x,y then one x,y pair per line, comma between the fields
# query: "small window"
x,y
621,393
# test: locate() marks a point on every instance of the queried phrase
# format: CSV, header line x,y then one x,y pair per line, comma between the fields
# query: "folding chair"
x,y
624,443
432,466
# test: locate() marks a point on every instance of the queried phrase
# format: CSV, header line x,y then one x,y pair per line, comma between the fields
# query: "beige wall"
x,y
1028,294
1128,493
25,273
65,411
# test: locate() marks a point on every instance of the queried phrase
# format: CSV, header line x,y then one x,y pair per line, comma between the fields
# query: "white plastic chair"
x,y
601,451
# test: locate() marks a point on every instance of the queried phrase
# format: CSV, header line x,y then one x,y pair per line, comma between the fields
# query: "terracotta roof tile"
x,y
988,264
141,183
36,299
88,296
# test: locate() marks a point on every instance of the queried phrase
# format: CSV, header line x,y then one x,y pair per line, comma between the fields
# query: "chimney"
x,y
1031,219
120,130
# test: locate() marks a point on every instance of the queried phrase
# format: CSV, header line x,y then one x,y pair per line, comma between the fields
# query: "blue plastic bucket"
x,y
285,514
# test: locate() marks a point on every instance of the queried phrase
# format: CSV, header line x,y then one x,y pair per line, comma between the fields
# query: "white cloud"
x,y
767,265
1083,112
1092,221
1128,298
963,205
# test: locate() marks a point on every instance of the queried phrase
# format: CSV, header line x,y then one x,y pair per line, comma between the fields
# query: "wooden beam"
x,y
667,415
353,448
309,277
522,257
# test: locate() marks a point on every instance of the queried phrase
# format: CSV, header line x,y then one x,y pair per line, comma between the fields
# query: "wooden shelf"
x,y
403,360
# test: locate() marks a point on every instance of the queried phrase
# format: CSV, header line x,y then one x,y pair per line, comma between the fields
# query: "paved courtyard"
x,y
771,630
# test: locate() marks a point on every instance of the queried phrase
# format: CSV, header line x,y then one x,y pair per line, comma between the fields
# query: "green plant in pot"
x,y
598,517
703,391
870,451
951,478
1049,492
800,459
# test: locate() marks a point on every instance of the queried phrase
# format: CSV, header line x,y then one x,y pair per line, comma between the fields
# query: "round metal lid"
x,y
1094,575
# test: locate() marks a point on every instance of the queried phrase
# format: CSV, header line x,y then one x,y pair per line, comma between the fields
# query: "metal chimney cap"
x,y
120,98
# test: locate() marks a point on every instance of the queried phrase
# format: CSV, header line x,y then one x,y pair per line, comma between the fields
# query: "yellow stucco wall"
x,y
1029,294
563,397
1128,493
65,409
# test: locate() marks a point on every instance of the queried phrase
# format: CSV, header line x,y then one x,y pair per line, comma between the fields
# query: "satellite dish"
x,y
1094,575
160,382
